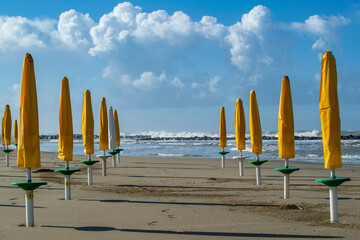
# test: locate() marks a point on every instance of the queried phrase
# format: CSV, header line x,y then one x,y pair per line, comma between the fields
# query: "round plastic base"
x,y
7,150
103,157
88,163
286,170
28,186
258,162
239,158
223,153
67,171
333,182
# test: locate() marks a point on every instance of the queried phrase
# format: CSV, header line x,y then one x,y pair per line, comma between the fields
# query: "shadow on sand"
x,y
182,203
195,233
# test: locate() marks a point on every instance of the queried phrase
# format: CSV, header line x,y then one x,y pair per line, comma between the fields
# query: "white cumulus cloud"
x,y
213,84
73,29
160,25
113,28
148,80
177,83
20,32
170,52
247,38
258,45
326,28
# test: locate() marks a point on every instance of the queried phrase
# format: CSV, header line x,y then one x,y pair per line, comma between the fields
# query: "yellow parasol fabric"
x,y
103,127
286,138
29,144
15,131
239,125
3,129
222,130
66,138
87,124
7,127
255,125
329,112
117,128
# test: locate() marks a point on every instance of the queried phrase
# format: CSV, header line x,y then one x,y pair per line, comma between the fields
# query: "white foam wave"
x,y
164,134
313,133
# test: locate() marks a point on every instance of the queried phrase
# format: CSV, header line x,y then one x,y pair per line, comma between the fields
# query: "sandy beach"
x,y
178,198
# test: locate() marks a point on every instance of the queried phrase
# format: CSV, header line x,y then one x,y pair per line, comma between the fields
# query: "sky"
x,y
171,65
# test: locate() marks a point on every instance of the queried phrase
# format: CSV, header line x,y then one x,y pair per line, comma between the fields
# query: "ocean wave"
x,y
177,155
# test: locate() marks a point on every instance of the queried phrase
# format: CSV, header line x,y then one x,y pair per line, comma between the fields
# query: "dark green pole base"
x,y
7,150
286,170
88,162
333,182
28,186
223,153
67,171
258,162
118,150
112,153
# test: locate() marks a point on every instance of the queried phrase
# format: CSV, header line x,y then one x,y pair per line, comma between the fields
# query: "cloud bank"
x,y
147,52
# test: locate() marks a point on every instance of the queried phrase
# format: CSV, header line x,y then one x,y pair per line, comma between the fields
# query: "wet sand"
x,y
178,198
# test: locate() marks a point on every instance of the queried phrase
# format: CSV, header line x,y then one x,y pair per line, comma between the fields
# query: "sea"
x,y
308,145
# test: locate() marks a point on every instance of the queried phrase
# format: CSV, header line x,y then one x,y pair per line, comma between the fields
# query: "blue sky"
x,y
171,65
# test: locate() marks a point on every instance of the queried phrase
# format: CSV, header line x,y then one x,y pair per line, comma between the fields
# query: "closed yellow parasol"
x,y
329,112
66,138
331,130
286,138
87,124
7,125
222,130
117,128
15,131
29,144
87,128
255,125
255,135
103,127
239,125
222,136
3,129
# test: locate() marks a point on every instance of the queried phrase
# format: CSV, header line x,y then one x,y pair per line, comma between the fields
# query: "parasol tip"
x,y
28,56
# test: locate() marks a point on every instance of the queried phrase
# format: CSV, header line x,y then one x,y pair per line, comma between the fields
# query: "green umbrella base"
x,y
113,152
28,186
333,182
7,150
223,153
118,150
67,171
88,162
258,162
286,170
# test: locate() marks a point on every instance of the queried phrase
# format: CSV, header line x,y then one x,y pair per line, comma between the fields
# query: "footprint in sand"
x,y
171,216
165,210
152,223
